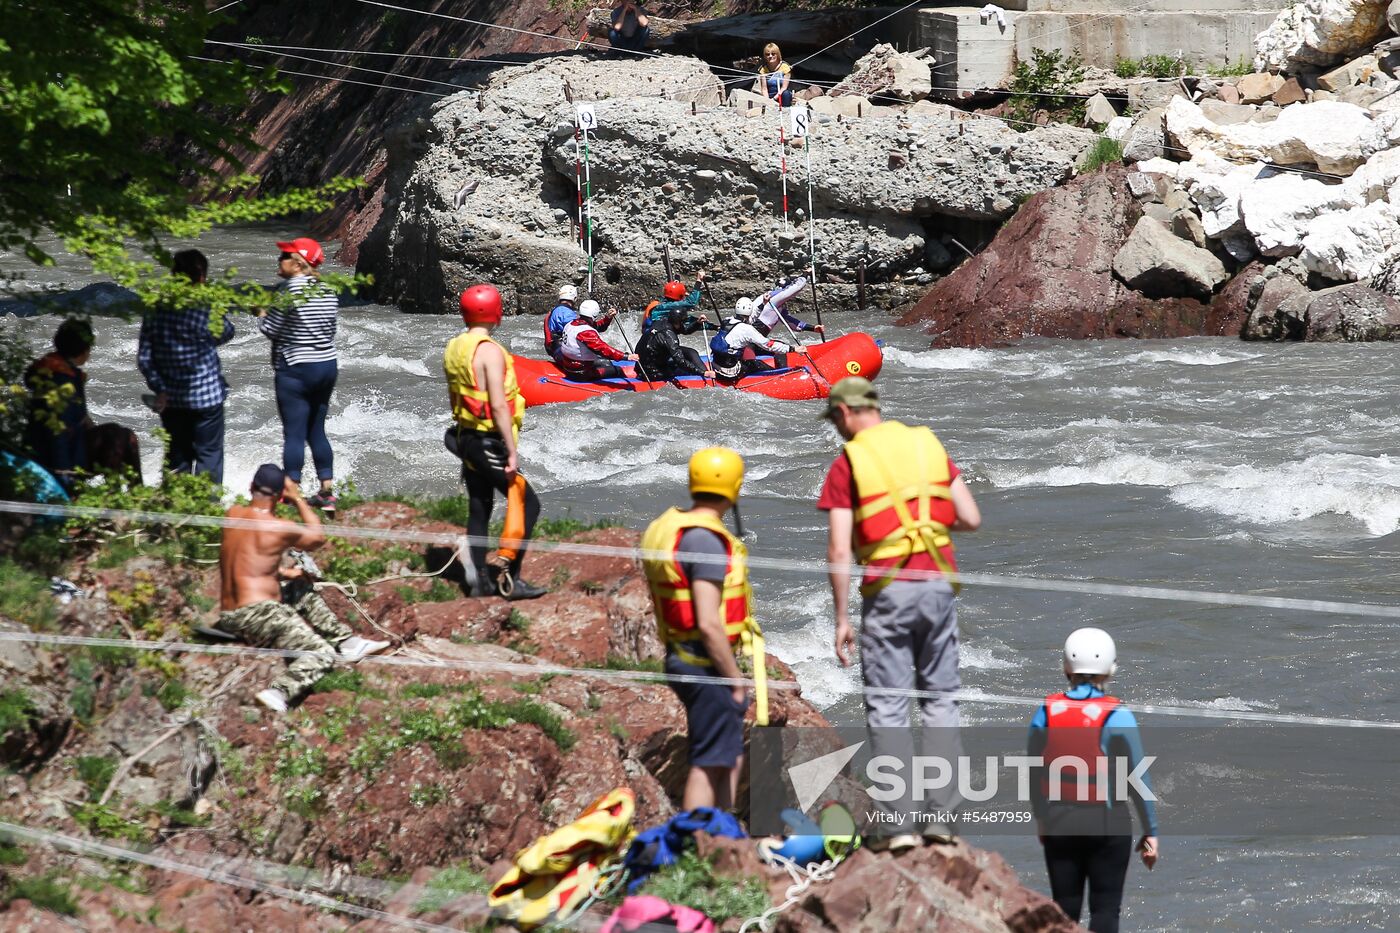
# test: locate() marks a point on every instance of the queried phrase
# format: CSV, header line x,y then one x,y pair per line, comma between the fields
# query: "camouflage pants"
x,y
309,625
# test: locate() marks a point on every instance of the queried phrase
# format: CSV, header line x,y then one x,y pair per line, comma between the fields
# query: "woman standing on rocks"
x,y
304,365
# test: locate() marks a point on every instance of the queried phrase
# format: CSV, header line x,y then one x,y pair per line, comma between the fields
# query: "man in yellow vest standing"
x,y
894,495
487,411
698,575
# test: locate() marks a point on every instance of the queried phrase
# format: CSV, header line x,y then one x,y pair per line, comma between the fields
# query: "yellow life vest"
x,y
471,406
895,466
675,609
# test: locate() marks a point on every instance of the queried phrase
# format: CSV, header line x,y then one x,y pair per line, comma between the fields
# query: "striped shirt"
x,y
306,333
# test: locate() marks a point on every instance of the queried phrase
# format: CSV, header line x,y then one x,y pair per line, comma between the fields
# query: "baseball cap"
x,y
306,248
853,392
269,479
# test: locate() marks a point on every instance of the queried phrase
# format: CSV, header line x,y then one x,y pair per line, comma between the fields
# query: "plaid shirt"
x,y
177,356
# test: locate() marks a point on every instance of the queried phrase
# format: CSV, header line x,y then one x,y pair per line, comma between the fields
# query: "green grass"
x,y
438,592
567,527
45,892
447,885
618,663
347,679
96,772
1239,69
1105,151
1151,66
691,881
104,821
12,855
24,596
16,711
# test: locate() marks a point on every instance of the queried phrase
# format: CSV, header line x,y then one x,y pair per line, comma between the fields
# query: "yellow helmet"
x,y
717,471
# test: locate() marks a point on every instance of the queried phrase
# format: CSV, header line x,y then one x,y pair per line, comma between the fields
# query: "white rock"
x,y
1319,32
1350,245
1279,210
1374,180
1098,111
1159,167
1217,193
1337,137
1146,138
1118,128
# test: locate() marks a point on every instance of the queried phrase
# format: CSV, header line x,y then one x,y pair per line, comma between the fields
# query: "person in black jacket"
x,y
661,353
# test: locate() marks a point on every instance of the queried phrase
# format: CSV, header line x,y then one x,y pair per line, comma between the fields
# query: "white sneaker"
x,y
273,699
900,843
355,647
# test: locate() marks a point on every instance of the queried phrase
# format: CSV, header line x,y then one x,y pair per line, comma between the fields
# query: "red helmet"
x,y
481,304
674,291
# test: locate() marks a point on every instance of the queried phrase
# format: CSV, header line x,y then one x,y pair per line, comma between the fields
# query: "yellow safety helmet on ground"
x,y
717,471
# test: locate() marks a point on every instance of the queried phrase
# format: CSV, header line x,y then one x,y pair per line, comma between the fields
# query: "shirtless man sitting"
x,y
252,606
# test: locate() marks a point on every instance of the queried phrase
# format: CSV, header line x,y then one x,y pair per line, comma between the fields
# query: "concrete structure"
x,y
973,50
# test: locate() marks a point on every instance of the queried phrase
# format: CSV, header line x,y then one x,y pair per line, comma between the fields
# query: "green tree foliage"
x,y
1047,83
119,137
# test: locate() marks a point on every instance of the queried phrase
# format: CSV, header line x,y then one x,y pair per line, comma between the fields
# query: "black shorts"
x,y
715,723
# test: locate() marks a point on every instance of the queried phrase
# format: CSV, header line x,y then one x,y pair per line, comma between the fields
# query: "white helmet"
x,y
590,309
744,308
1090,651
568,293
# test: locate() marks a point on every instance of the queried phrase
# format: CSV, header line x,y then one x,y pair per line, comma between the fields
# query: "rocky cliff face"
x,y
434,774
484,186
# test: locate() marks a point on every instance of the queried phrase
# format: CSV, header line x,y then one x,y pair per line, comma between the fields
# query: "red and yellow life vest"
x,y
471,406
1074,731
898,472
674,605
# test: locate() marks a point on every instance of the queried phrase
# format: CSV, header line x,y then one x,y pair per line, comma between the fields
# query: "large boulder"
x,y
887,72
1147,139
709,182
1319,32
1279,210
1352,313
1278,303
1049,272
1350,245
1335,136
1159,264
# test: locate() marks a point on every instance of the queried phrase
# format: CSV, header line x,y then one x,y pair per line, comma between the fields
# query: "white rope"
x,y
802,880
811,567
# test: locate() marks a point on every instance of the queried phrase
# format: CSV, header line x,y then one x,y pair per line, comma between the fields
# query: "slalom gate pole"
x,y
782,158
812,233
622,326
588,205
578,181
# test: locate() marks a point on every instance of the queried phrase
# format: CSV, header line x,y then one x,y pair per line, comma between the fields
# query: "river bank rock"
x,y
1159,264
1050,273
436,774
888,73
1319,32
710,183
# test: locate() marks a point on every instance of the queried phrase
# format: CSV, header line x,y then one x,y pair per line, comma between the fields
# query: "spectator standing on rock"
x,y
487,412
704,614
776,75
304,365
251,591
60,433
1087,831
629,27
894,495
179,359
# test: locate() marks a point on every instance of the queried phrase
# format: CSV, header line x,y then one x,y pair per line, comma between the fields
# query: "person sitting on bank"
x,y
629,27
179,358
584,354
60,433
661,355
738,338
776,76
251,592
772,305
1086,830
675,297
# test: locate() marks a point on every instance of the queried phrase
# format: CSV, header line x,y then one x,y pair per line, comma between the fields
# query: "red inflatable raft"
x,y
809,375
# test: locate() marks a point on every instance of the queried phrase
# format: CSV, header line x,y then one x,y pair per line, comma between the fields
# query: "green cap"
x,y
853,392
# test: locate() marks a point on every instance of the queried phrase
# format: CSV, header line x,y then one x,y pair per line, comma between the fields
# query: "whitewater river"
x,y
1203,464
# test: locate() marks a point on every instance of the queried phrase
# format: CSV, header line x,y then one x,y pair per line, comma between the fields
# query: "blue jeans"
x,y
196,440
303,398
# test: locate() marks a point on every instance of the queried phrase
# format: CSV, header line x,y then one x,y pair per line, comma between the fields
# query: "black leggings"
x,y
1102,861
483,459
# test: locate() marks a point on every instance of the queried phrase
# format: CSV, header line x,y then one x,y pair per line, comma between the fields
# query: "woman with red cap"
x,y
304,365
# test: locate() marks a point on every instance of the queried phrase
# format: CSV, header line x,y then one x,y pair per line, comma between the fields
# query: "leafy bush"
x,y
24,596
16,711
1126,68
96,772
15,355
180,493
1046,82
691,881
1162,66
1105,151
1238,70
